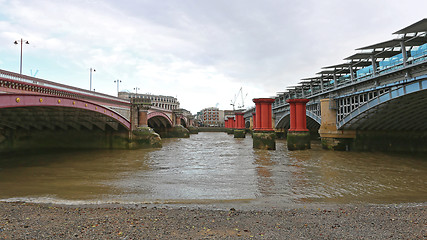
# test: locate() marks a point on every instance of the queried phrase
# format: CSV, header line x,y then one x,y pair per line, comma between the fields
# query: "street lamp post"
x,y
22,42
136,89
91,69
118,81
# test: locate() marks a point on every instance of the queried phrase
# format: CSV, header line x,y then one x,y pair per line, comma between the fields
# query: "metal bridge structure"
x,y
382,87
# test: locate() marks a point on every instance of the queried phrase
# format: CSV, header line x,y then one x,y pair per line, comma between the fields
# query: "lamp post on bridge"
x,y
136,89
91,69
22,42
117,81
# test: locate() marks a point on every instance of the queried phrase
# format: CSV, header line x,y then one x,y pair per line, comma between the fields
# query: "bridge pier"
x,y
331,137
264,136
298,137
142,136
231,124
239,131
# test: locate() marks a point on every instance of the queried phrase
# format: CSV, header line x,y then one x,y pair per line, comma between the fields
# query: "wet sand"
x,y
48,221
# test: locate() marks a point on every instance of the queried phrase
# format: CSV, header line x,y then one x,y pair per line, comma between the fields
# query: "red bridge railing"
x,y
27,83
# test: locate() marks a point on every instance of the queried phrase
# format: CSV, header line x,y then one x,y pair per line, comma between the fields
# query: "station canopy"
x,y
337,72
376,54
420,26
354,64
409,42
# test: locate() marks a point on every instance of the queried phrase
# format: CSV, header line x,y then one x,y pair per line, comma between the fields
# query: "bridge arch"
x,y
313,121
158,120
183,121
247,123
41,111
402,108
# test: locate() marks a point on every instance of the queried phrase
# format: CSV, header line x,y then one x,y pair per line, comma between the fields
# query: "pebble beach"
x,y
20,220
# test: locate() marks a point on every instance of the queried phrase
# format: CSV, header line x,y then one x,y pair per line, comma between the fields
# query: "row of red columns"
x,y
262,118
238,123
229,123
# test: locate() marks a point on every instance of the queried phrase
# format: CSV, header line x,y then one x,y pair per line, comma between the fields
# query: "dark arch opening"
x,y
159,124
183,123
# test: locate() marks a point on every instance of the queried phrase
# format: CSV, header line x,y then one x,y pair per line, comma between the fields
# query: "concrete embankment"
x,y
212,129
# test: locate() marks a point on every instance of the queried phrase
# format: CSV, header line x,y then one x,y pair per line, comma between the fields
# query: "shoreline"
x,y
23,220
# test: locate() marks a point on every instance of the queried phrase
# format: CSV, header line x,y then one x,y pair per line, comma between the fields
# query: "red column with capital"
x,y
298,115
264,135
263,114
298,137
231,122
239,128
253,121
240,122
226,123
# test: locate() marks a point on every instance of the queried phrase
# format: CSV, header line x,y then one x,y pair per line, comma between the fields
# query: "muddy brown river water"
x,y
210,168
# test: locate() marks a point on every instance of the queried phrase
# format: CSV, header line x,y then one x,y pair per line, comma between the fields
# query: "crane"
x,y
242,104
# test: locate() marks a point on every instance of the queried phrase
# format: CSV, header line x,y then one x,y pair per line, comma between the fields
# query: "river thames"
x,y
214,168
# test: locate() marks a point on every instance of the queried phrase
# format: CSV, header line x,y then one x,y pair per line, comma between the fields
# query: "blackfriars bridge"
x,y
36,113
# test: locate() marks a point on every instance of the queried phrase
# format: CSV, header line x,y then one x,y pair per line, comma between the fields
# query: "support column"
x,y
298,137
321,84
404,53
230,129
142,121
141,136
253,121
226,123
263,136
374,65
351,73
335,79
239,131
331,137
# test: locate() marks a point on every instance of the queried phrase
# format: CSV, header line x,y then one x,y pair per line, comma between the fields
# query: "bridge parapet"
x,y
16,83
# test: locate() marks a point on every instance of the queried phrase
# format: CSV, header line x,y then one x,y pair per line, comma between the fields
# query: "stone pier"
x,y
239,131
332,138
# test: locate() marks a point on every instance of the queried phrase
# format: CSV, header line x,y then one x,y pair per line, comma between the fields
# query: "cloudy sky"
x,y
201,51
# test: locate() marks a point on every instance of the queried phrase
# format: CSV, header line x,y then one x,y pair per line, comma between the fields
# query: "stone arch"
x,y
57,112
158,120
183,121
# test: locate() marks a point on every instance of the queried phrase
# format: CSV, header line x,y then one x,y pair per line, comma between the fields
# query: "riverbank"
x,y
47,221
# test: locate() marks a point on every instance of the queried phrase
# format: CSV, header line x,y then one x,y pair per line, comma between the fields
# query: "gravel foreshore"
x,y
48,221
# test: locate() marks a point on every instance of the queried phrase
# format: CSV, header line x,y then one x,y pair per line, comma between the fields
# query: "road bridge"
x,y
36,113
375,100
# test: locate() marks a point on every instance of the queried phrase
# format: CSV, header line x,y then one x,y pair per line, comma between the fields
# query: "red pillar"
x,y
226,123
231,122
298,115
240,121
263,114
253,120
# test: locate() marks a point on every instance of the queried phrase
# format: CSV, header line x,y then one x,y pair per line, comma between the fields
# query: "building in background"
x,y
228,113
210,117
164,102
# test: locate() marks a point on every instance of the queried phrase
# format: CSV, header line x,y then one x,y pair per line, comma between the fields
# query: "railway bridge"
x,y
375,100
